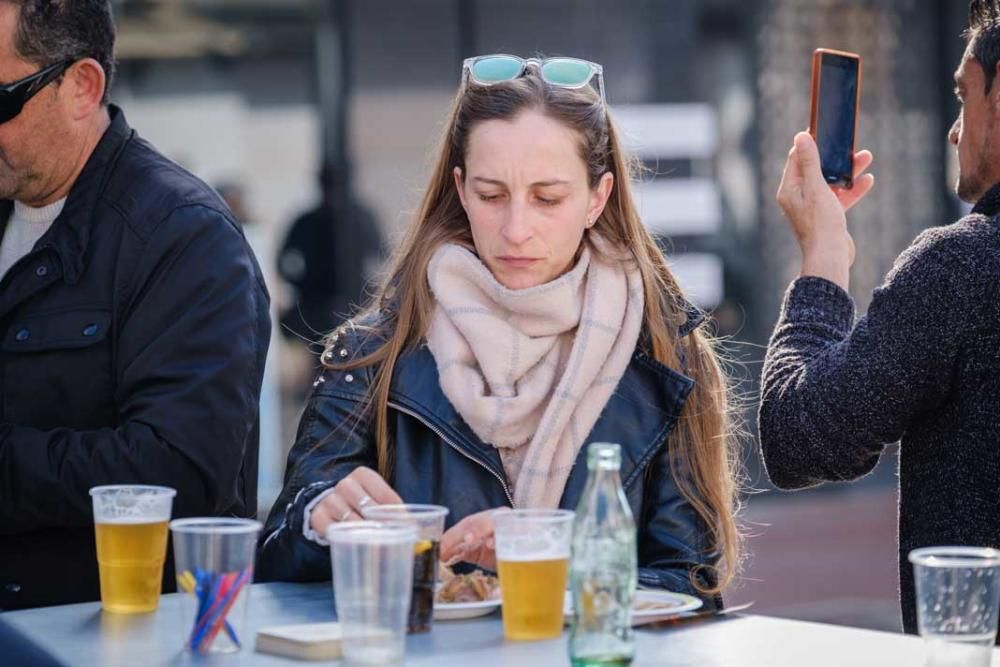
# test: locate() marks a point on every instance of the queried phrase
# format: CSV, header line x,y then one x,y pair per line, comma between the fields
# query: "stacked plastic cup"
x,y
372,582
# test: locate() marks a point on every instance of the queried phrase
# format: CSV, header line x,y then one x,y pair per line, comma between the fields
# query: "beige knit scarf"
x,y
531,370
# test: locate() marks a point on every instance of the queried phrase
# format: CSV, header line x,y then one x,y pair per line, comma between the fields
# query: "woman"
x,y
527,312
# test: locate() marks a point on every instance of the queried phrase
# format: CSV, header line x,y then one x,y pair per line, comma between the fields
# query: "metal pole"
x,y
465,12
332,78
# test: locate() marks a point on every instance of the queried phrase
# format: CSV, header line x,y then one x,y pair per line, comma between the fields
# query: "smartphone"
x,y
833,117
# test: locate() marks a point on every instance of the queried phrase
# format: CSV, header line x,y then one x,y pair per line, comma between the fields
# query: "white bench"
x,y
688,205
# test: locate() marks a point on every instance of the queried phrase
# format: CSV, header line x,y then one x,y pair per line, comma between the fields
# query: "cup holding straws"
x,y
214,562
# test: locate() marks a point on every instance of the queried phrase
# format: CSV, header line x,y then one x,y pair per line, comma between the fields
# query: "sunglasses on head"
x,y
562,72
15,95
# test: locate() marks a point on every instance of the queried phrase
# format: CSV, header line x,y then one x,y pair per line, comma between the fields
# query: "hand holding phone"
x,y
833,118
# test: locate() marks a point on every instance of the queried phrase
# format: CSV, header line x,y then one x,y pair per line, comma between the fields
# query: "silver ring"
x,y
364,501
343,517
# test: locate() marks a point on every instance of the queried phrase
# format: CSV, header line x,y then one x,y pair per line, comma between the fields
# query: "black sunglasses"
x,y
15,95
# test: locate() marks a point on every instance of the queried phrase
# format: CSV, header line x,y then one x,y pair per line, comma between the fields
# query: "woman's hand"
x,y
816,210
363,487
471,540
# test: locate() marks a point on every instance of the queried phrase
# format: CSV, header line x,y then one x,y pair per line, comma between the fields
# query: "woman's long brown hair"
x,y
703,450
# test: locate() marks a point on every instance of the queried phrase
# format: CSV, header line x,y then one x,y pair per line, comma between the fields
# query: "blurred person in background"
x,y
327,257
270,425
527,312
234,195
923,365
133,316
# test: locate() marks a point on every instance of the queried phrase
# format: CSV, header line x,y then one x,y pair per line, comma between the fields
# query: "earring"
x,y
590,223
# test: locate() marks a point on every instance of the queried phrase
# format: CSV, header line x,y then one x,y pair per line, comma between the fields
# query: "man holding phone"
x,y
923,365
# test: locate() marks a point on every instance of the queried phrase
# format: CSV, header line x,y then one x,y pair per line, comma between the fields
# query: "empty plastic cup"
x,y
372,566
958,600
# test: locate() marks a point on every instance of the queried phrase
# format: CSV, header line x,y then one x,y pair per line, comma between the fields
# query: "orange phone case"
x,y
817,66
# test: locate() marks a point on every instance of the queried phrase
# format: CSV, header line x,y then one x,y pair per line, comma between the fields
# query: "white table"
x,y
82,635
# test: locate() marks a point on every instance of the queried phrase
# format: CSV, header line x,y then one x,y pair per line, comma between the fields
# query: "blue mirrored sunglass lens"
x,y
491,70
566,72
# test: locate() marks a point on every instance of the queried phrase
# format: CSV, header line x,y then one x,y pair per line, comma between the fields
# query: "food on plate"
x,y
473,587
656,604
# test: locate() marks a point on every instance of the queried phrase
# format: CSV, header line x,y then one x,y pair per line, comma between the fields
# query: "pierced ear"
x,y
600,195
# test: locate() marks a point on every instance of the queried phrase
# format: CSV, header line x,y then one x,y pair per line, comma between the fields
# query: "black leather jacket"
x,y
439,460
132,345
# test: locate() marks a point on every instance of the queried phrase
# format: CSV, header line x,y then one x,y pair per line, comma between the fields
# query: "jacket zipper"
x,y
397,406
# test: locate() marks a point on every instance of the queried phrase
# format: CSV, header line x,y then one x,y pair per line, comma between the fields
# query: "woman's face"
x,y
527,197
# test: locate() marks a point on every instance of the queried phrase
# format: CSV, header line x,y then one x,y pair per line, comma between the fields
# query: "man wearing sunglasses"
x,y
133,316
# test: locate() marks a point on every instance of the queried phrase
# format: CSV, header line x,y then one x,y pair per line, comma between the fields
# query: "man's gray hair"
x,y
53,31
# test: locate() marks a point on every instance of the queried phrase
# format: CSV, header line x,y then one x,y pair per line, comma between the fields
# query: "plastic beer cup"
x,y
532,548
130,524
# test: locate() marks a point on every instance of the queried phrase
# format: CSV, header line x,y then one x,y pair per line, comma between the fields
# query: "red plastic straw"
x,y
234,593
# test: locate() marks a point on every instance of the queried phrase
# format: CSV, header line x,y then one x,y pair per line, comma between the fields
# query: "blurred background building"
x,y
254,95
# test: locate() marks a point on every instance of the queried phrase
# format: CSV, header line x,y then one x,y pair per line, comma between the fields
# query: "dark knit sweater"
x,y
922,367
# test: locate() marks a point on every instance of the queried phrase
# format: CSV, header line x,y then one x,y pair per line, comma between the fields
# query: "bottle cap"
x,y
604,456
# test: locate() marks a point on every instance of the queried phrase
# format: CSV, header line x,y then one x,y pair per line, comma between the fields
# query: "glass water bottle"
x,y
603,566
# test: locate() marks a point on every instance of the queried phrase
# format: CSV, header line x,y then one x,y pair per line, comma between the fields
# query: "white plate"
x,y
668,604
453,611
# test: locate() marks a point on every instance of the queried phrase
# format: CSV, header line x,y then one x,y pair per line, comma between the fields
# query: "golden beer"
x,y
130,556
533,593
